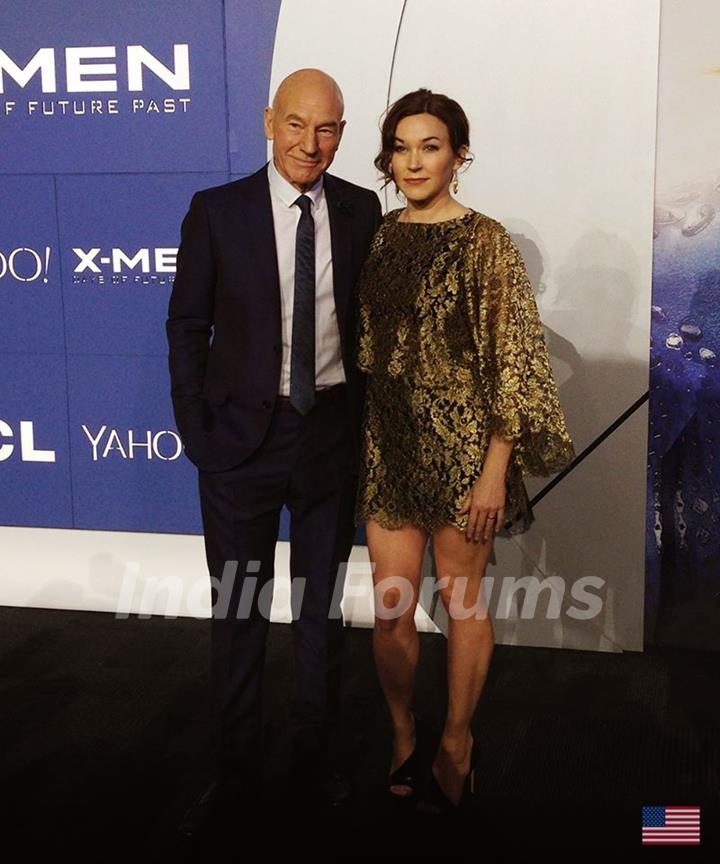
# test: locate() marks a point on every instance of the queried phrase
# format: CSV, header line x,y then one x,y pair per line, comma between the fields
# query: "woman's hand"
x,y
485,503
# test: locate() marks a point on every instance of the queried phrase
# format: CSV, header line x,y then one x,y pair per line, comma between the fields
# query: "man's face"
x,y
305,127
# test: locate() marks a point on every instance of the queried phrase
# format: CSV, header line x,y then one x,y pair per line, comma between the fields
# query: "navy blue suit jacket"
x,y
224,325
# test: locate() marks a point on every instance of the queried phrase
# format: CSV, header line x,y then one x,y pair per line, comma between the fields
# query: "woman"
x,y
461,402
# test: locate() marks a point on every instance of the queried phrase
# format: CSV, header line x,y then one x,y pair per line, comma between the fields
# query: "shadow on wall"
x,y
591,526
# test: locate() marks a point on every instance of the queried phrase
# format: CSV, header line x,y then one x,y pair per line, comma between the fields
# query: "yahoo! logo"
x,y
25,264
111,443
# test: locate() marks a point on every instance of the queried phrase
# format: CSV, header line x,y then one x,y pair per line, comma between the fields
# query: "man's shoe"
x,y
319,789
220,805
335,790
198,816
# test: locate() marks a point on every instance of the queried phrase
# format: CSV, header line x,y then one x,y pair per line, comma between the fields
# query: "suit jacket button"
x,y
266,403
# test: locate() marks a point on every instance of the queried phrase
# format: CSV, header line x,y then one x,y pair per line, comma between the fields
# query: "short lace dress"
x,y
452,343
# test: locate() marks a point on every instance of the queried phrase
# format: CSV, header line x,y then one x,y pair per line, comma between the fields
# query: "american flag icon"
x,y
670,826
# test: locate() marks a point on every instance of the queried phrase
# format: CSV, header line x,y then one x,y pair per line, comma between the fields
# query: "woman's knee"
x,y
387,626
395,601
461,593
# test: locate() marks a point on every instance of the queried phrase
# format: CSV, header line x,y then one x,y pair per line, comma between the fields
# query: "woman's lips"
x,y
416,181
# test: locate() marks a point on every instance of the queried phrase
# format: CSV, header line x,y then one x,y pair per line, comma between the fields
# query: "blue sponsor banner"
x,y
34,449
30,290
250,27
111,117
119,236
95,86
129,470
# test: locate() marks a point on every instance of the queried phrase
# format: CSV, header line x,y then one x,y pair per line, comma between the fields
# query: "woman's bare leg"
x,y
470,645
397,556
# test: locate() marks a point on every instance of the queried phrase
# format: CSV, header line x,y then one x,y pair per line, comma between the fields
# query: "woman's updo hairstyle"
x,y
422,101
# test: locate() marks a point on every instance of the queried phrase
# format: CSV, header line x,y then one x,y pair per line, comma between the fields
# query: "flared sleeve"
x,y
525,407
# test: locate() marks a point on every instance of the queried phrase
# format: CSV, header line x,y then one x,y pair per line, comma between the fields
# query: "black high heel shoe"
x,y
437,802
410,772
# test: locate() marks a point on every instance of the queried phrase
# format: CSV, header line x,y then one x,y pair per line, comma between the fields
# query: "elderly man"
x,y
268,402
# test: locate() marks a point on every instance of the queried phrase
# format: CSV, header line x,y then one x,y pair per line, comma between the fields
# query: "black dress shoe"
x,y
436,802
196,819
336,790
412,771
220,805
318,787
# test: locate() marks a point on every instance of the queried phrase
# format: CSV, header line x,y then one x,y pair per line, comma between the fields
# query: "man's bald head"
x,y
313,79
305,125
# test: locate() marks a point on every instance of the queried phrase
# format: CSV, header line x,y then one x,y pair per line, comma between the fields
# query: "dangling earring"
x,y
455,183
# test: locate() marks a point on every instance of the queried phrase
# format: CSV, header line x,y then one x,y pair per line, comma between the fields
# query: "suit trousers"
x,y
308,464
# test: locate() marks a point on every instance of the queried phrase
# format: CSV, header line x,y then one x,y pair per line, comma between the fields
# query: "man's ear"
x,y
268,119
341,129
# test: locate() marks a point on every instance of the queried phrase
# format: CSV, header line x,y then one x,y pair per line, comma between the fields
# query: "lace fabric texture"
x,y
454,348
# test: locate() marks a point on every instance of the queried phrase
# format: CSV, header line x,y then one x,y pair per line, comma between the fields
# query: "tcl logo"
x,y
26,446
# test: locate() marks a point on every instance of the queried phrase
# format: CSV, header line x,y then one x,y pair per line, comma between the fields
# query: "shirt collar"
x,y
287,193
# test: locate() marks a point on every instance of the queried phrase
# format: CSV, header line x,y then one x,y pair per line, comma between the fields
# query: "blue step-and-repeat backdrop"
x,y
111,116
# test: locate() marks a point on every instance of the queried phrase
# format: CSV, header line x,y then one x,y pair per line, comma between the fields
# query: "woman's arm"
x,y
487,496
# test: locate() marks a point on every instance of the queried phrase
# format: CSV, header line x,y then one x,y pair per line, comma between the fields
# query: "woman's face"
x,y
423,160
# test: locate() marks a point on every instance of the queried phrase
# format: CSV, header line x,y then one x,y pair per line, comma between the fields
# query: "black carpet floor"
x,y
106,743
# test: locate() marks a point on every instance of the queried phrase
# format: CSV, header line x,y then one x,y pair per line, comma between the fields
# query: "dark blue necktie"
x,y
302,352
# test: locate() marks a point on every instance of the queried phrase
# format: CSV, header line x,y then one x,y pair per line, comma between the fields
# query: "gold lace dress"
x,y
454,349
